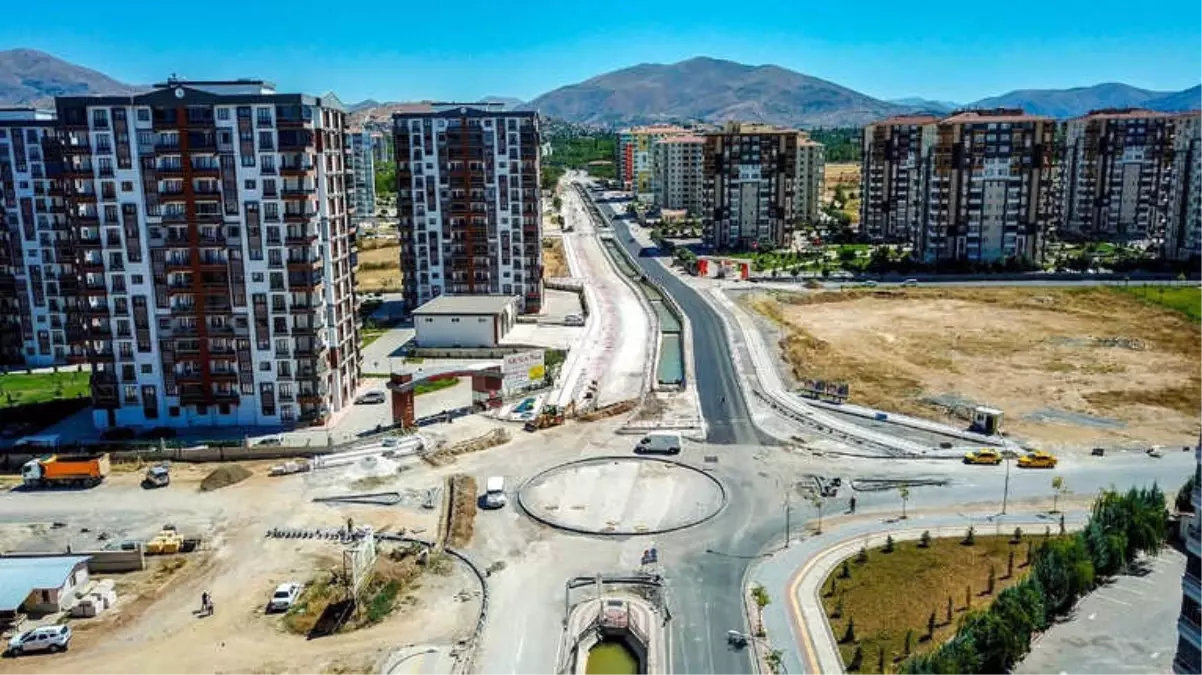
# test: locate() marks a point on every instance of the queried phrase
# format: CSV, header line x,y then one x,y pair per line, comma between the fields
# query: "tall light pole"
x,y
1007,456
788,517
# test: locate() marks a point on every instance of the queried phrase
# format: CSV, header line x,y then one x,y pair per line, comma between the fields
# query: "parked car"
x,y
494,493
271,440
983,456
1037,460
910,282
390,441
44,639
665,442
371,397
573,320
284,597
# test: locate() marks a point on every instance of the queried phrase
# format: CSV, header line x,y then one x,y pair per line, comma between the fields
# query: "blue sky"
x,y
952,50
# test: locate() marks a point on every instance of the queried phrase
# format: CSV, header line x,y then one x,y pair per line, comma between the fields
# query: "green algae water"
x,y
611,658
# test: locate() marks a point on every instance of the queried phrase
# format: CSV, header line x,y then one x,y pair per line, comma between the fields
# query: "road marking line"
x,y
794,586
1109,599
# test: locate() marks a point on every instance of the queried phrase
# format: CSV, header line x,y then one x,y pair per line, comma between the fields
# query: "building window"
x,y
249,185
223,114
144,116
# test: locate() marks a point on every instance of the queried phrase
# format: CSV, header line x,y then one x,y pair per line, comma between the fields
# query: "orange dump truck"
x,y
56,470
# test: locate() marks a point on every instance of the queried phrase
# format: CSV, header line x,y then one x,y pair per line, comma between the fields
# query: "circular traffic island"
x,y
622,496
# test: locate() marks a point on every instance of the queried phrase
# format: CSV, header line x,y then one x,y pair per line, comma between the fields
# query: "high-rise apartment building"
x,y
676,172
363,170
468,203
893,174
634,160
974,187
381,146
749,183
1183,226
989,196
1188,658
1116,175
811,170
215,253
39,319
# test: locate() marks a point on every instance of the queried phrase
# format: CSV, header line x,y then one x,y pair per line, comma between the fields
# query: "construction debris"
x,y
224,476
446,455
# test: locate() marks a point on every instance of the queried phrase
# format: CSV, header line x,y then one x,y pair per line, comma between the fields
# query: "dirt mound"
x,y
224,476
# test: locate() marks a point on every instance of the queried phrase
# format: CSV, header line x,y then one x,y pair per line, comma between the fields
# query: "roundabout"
x,y
622,496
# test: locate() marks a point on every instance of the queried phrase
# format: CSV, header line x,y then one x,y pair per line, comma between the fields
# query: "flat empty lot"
x,y
1070,367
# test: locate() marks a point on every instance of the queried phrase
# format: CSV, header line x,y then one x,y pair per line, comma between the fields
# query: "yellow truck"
x,y
65,471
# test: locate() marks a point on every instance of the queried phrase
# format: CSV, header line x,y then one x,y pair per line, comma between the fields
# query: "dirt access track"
x,y
1071,368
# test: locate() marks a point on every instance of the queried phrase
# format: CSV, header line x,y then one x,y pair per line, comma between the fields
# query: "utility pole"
x,y
1006,490
788,516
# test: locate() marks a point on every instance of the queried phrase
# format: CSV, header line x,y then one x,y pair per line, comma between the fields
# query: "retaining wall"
x,y
101,562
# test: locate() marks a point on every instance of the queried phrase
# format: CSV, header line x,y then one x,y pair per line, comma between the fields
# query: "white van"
x,y
667,443
494,493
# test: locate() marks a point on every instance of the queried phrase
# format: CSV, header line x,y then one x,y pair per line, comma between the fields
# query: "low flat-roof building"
x,y
465,320
39,585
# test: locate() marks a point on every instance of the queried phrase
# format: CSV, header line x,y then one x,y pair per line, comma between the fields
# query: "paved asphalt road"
x,y
722,402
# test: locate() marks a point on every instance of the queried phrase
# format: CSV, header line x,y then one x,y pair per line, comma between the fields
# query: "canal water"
x,y
611,658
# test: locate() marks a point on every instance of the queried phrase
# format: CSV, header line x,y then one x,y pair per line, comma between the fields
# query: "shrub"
x,y
862,556
970,537
925,540
888,544
846,571
857,659
1018,535
849,634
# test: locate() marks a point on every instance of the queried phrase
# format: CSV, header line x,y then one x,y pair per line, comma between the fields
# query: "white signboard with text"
x,y
521,369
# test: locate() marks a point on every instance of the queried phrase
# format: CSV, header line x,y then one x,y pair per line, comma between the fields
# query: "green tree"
x,y
1058,488
760,595
909,643
991,581
857,659
862,556
950,609
904,493
970,537
880,658
849,633
888,544
924,541
931,625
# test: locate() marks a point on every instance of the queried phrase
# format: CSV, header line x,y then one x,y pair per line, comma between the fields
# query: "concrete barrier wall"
x,y
101,562
472,353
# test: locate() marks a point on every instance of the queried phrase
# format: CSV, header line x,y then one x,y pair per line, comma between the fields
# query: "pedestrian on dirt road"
x,y
205,603
851,503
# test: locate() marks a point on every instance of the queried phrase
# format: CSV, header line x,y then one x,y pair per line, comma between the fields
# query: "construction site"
x,y
1072,368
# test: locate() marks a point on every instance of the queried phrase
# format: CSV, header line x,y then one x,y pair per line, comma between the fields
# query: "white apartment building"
x,y
215,253
363,170
468,204
676,172
1183,228
1116,175
811,170
38,281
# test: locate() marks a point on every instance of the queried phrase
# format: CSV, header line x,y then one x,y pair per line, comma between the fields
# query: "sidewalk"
x,y
796,622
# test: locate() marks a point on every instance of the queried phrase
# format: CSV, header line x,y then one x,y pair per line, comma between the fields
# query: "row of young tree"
x,y
1120,527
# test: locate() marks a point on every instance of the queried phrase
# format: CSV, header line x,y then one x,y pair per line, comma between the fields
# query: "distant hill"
x,y
1190,99
925,104
28,76
1063,103
711,90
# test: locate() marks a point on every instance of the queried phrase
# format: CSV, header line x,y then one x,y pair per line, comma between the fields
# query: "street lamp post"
x,y
1007,454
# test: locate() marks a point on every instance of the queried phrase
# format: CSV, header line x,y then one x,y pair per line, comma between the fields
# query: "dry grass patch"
x,y
379,269
462,521
1093,352
893,593
554,263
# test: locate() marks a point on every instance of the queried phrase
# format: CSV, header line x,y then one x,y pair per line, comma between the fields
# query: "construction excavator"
x,y
548,416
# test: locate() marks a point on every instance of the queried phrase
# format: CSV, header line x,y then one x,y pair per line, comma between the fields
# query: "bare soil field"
x,y
554,264
848,175
1070,367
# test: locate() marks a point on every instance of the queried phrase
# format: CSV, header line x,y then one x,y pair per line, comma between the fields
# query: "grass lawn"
x,y
379,269
434,385
1184,299
23,389
895,592
368,336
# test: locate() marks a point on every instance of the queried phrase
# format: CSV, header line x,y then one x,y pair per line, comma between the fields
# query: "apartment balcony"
x,y
299,216
296,168
102,355
228,375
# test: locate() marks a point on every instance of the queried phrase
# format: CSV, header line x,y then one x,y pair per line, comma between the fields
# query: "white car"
x,y
44,639
283,598
573,320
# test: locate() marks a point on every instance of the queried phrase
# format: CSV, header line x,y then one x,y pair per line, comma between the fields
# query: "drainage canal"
x,y
669,370
612,657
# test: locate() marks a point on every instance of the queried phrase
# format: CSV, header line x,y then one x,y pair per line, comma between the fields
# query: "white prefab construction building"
x,y
215,253
465,321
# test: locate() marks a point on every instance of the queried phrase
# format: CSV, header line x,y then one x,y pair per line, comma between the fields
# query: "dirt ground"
x,y
846,174
154,628
1069,367
379,269
554,264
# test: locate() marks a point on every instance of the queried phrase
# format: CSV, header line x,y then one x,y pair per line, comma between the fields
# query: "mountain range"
x,y
698,89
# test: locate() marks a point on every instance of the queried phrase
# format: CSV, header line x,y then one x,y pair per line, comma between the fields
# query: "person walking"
x,y
851,503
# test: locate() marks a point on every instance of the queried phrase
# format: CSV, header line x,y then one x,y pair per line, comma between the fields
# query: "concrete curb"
x,y
618,533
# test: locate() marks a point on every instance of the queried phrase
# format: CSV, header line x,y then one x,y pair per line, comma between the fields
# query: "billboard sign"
x,y
523,369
